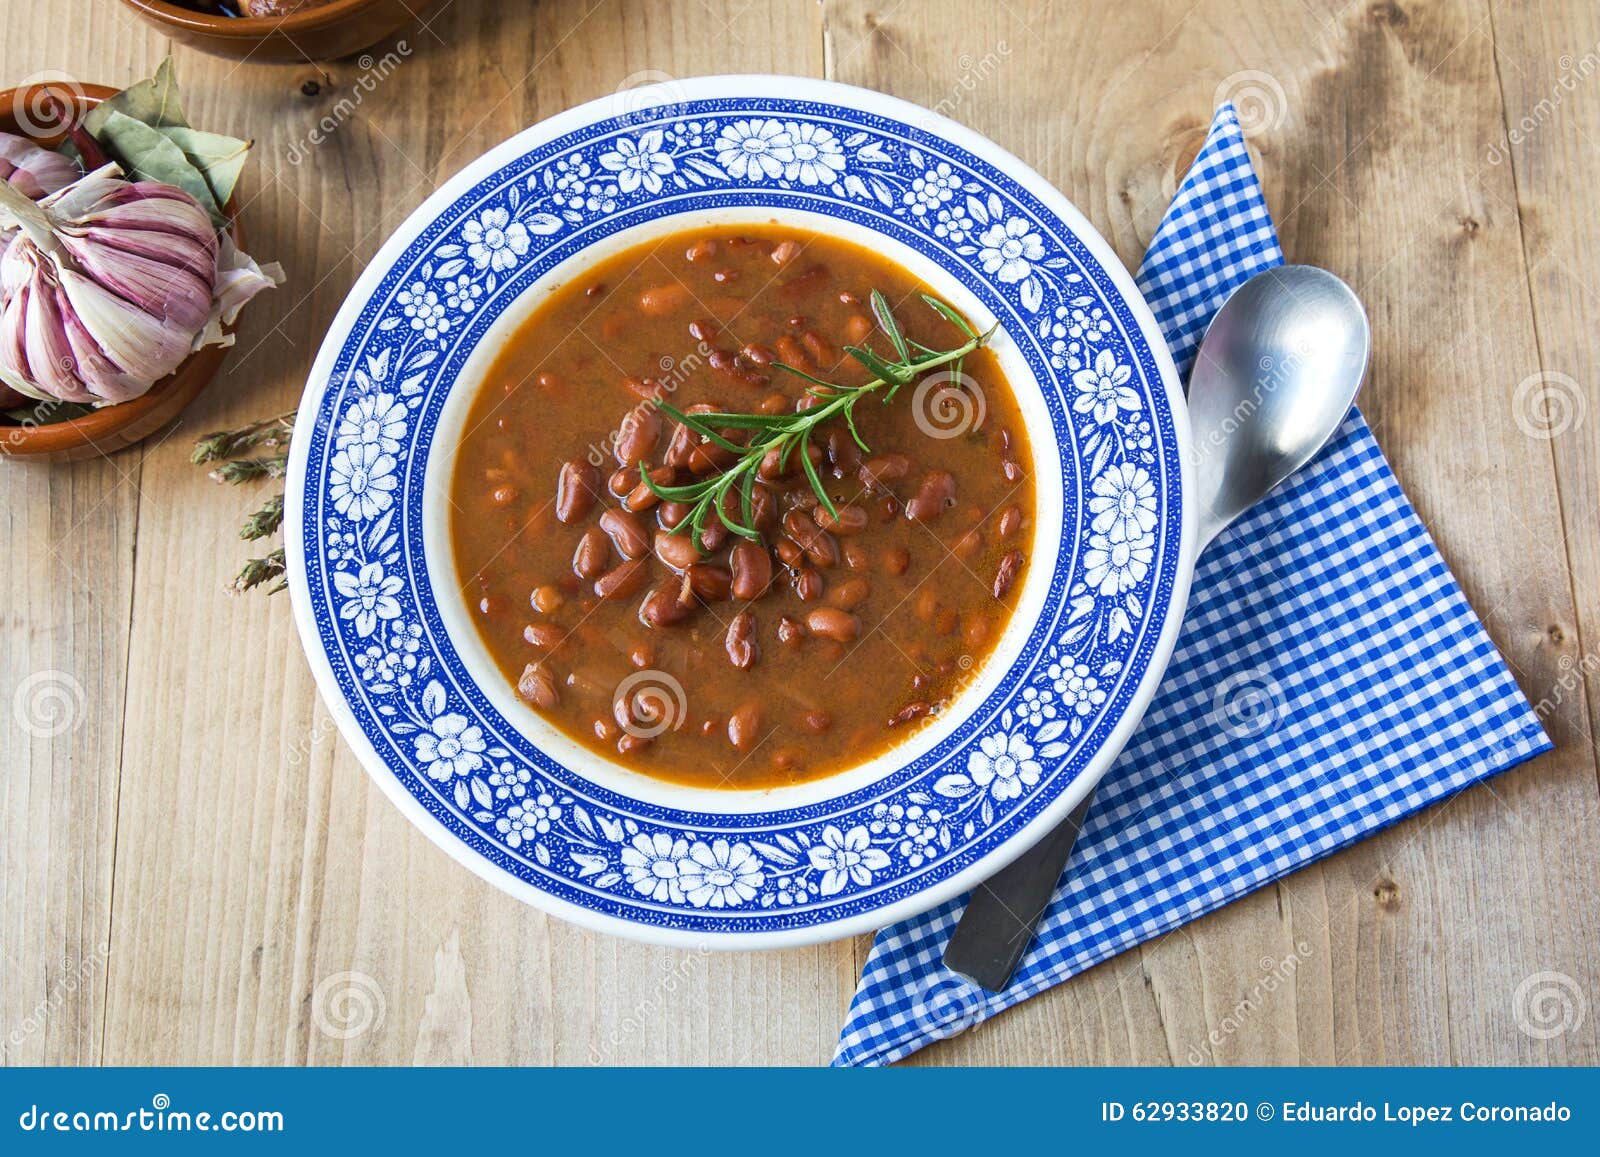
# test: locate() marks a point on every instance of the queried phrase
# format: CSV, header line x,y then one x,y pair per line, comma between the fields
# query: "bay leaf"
x,y
146,153
220,159
156,102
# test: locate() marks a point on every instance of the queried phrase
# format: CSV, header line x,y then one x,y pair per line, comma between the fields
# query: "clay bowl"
x,y
326,32
113,427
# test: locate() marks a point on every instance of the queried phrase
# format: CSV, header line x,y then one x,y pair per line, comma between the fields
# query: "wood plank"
x,y
1416,941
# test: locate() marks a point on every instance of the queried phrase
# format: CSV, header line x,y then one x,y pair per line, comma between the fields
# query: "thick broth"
x,y
864,631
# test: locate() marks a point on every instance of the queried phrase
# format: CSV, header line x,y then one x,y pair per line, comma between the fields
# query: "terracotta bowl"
x,y
114,427
326,32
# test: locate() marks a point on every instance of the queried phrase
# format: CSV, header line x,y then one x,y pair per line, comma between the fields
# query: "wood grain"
x,y
195,869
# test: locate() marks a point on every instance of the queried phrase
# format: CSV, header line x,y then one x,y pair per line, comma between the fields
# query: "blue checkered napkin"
x,y
1330,680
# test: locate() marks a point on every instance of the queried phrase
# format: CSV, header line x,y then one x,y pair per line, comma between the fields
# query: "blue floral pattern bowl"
x,y
378,604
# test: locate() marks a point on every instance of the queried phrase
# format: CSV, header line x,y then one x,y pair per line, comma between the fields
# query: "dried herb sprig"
x,y
226,446
787,433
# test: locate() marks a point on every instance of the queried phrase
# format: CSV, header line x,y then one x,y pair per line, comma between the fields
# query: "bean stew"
x,y
664,590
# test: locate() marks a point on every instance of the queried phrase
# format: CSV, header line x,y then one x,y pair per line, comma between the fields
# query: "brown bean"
x,y
744,726
702,250
896,560
879,470
822,351
926,605
935,494
538,686
662,607
709,582
792,353
786,251
641,497
491,604
773,404
543,635
843,453
751,568
637,435
1006,575
670,514
851,519
758,353
730,365
503,495
622,580
808,282
790,632
816,721
907,713
660,300
547,599
740,641
677,550
969,545
808,585
592,554
789,552
645,388
576,488
622,481
626,532
857,328
642,655
704,329
832,623
975,630
763,507
1010,521
628,743
851,593
856,556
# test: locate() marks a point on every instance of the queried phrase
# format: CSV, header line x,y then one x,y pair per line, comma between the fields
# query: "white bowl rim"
x,y
768,86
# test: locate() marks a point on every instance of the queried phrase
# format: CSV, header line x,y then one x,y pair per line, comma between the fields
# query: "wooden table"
x,y
195,869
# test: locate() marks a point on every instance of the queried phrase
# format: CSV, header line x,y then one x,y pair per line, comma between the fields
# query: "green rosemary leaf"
x,y
850,424
260,570
877,367
265,521
951,315
814,479
889,324
685,493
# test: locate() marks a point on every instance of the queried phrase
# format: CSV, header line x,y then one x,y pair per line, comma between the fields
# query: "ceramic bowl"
x,y
378,603
327,32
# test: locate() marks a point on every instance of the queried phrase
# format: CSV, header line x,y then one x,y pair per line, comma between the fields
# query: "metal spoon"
x,y
1277,372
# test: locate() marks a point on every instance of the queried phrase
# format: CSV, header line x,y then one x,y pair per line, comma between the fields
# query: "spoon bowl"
x,y
1278,370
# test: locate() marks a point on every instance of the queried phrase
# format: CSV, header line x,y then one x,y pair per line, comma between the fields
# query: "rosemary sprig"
x,y
788,433
226,446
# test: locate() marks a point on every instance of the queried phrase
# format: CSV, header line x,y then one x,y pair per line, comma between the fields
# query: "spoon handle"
x,y
997,927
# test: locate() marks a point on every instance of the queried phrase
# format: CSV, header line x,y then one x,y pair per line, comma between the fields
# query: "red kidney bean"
x,y
850,594
637,435
975,630
642,655
851,519
763,507
702,250
704,329
744,726
790,632
896,560
936,494
677,551
969,545
907,713
670,514
792,353
857,328
661,300
727,363
740,641
641,497
759,354
751,569
709,582
1006,575
816,721
832,623
622,580
926,605
626,532
822,351
503,495
491,605
662,607
629,743
843,453
622,481
786,251
790,553
645,389
1010,521
546,599
808,585
538,686
543,635
773,404
856,556
576,488
808,282
592,554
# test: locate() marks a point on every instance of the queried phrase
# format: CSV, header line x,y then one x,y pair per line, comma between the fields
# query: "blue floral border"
x,y
545,824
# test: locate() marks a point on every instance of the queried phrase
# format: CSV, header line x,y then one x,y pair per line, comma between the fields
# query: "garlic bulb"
x,y
108,285
35,170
